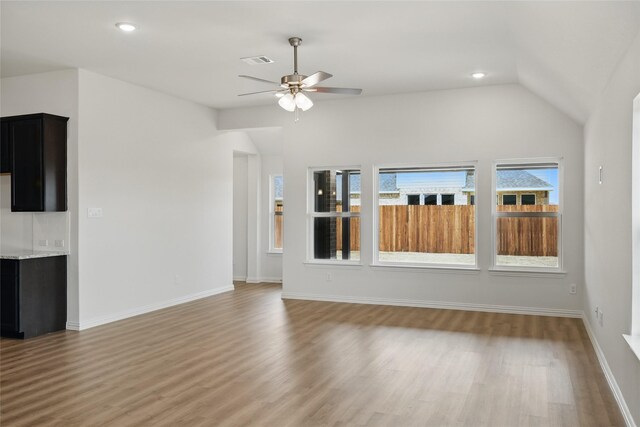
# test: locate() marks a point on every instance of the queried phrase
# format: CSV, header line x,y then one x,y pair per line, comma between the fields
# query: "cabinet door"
x,y
9,296
27,193
5,163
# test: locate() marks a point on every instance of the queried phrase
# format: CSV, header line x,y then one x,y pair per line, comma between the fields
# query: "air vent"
x,y
255,60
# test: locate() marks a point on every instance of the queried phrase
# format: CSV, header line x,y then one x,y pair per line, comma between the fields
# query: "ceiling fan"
x,y
293,87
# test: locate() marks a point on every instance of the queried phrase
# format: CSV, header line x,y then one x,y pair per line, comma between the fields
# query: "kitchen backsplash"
x,y
41,231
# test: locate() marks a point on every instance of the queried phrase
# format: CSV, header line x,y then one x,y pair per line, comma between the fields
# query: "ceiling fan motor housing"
x,y
292,80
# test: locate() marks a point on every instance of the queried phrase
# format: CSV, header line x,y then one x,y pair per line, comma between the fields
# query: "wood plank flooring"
x,y
248,358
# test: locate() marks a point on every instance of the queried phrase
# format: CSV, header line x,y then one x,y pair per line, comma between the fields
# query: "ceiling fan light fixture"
x,y
288,102
303,102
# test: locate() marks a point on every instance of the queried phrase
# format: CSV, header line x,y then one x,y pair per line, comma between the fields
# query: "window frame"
x,y
453,199
515,199
413,195
535,199
472,164
311,215
524,162
272,214
424,199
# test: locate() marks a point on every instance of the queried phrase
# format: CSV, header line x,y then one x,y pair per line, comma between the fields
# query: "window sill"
x,y
436,268
634,343
333,263
274,252
526,273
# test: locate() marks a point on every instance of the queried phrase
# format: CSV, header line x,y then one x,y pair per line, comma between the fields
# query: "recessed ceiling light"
x,y
127,27
478,75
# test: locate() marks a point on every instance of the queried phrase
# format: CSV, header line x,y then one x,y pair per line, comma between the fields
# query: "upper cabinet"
x,y
37,152
5,164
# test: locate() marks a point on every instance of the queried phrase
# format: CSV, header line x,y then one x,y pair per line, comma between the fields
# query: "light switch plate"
x,y
94,212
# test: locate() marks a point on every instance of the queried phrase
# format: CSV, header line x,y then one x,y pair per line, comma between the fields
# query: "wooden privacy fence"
x,y
534,236
431,229
279,227
450,229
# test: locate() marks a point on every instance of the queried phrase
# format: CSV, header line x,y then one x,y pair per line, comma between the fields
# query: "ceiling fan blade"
x,y
315,78
259,80
338,90
263,91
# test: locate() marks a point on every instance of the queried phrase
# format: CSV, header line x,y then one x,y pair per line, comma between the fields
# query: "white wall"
x,y
271,265
153,163
55,93
482,124
607,231
240,187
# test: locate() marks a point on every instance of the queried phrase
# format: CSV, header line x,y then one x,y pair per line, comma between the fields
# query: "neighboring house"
x,y
514,187
278,192
388,189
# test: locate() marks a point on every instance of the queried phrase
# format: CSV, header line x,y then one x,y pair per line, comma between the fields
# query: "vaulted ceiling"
x,y
563,51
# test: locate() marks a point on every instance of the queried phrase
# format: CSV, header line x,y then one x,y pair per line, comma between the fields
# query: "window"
x,y
448,199
429,234
509,199
527,236
472,199
413,199
276,209
430,199
334,214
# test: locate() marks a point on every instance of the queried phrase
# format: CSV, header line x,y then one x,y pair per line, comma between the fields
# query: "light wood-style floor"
x,y
248,358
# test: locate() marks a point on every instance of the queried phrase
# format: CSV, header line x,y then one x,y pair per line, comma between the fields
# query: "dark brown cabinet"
x,y
5,163
33,296
37,153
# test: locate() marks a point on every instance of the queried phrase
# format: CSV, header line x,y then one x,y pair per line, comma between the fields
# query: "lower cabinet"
x,y
33,296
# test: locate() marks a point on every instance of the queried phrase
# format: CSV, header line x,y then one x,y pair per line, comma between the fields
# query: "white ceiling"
x,y
563,51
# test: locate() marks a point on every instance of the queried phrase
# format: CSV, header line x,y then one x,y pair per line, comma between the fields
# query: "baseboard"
x,y
436,304
102,320
264,280
240,279
613,384
73,326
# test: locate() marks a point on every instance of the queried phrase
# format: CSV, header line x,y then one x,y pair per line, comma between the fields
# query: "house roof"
x,y
511,179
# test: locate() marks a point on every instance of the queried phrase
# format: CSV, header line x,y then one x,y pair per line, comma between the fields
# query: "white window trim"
x,y
376,217
272,215
495,214
535,198
311,214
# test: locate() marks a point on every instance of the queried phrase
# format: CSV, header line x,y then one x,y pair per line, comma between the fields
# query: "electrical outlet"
x,y
58,243
573,288
94,212
177,280
43,242
328,277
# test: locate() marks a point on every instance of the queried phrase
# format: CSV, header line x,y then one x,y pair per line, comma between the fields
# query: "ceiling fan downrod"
x,y
295,42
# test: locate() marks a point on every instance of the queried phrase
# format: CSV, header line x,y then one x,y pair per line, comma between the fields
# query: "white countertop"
x,y
27,254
